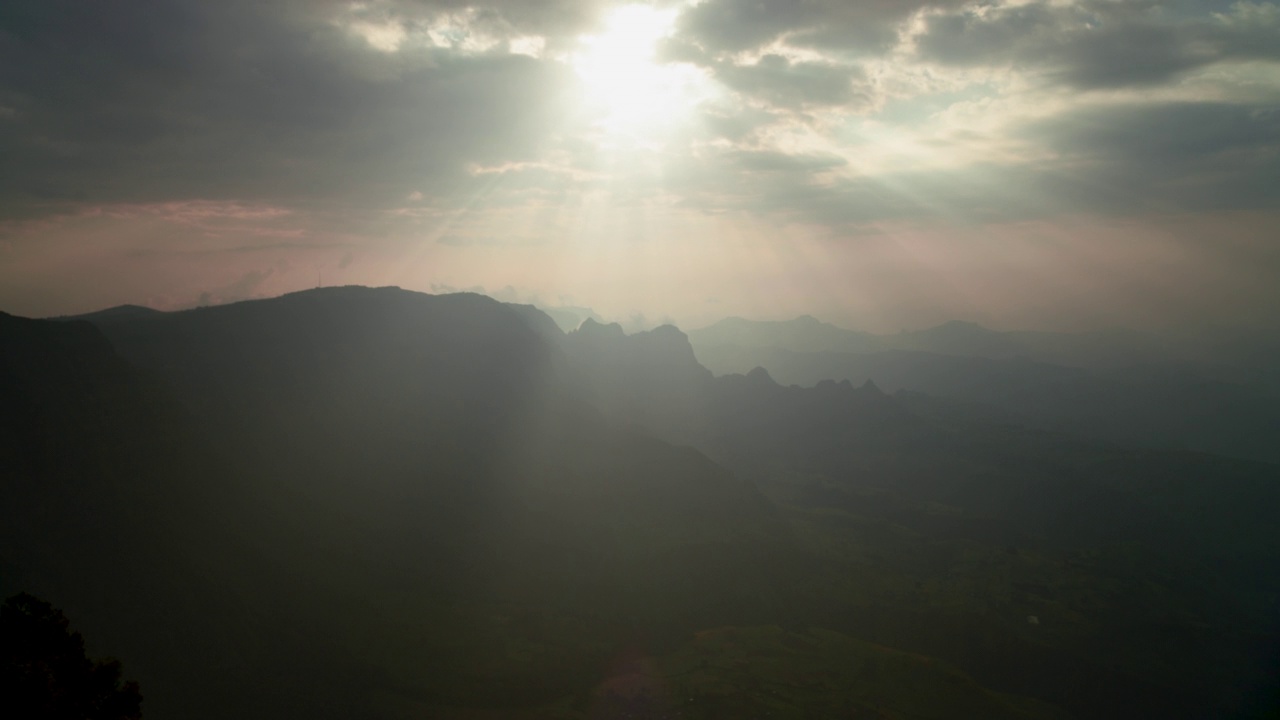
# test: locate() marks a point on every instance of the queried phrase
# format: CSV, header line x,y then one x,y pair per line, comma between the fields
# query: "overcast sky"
x,y
881,164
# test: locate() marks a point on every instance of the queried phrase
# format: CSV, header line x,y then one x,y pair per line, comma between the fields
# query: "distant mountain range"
x,y
1107,349
356,502
1114,386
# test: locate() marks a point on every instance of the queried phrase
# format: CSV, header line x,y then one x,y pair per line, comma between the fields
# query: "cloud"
x,y
470,241
1179,155
1114,158
176,99
244,288
349,109
772,161
1096,43
854,28
782,83
429,134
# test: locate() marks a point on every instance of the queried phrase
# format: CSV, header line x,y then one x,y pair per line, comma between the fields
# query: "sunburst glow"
x,y
625,83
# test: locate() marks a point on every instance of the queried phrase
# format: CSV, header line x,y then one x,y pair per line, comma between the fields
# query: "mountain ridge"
x,y
374,502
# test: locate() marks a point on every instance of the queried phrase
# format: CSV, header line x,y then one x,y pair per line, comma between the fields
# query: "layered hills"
x,y
1114,386
357,502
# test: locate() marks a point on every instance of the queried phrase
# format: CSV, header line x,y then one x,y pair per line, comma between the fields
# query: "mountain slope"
x,y
941,533
1149,406
1103,349
334,455
361,502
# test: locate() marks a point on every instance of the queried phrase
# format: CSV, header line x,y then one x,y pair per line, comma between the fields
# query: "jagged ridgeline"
x,y
356,502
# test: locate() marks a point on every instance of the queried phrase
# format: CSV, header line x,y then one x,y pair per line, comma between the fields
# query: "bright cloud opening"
x,y
633,92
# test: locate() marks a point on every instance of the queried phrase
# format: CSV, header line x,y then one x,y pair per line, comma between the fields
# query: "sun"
x,y
626,86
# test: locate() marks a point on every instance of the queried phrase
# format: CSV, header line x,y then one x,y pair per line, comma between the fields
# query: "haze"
x,y
1064,165
594,359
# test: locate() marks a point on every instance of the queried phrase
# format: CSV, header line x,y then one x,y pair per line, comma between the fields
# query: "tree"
x,y
45,675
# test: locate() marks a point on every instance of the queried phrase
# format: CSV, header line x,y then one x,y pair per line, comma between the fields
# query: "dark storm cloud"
x,y
149,100
1100,44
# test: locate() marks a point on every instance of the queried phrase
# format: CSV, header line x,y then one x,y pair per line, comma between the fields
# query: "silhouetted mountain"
x,y
961,338
355,502
49,371
942,478
1152,406
546,328
348,446
568,318
118,312
649,379
805,334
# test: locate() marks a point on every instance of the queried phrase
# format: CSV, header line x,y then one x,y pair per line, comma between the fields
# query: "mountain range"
x,y
1120,387
369,502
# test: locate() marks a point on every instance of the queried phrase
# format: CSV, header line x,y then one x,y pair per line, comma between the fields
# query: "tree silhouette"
x,y
45,675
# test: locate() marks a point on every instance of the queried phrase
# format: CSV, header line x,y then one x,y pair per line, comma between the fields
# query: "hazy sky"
x,y
882,164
